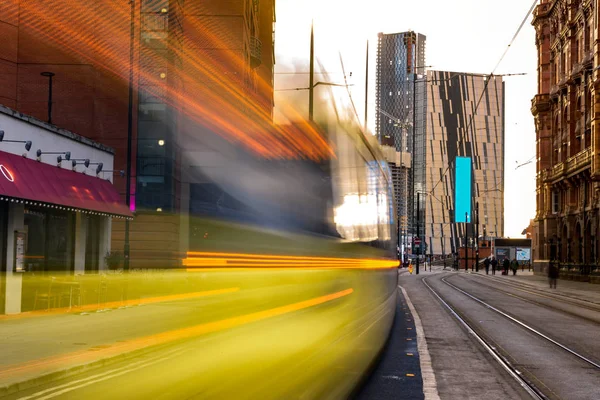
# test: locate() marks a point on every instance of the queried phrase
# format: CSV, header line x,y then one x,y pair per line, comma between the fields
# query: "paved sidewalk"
x,y
398,374
578,290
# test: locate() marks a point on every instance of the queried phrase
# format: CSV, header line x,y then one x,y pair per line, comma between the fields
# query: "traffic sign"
x,y
417,240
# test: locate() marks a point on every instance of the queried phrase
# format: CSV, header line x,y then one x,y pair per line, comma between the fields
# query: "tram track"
x,y
558,306
519,371
590,305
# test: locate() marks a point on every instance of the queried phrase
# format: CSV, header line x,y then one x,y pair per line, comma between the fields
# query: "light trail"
x,y
212,92
266,261
119,348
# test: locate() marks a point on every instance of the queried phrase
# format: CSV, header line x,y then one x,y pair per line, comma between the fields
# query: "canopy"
x,y
36,182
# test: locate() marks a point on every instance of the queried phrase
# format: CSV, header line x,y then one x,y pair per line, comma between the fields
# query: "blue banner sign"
x,y
462,189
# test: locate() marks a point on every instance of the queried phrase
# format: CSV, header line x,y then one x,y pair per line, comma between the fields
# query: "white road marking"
x,y
429,382
68,387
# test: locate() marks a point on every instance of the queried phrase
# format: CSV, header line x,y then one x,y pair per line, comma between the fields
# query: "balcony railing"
x,y
572,165
541,10
563,80
255,51
541,102
577,70
588,58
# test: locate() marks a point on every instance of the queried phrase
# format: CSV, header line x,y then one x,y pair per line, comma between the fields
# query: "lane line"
x,y
104,378
127,367
429,382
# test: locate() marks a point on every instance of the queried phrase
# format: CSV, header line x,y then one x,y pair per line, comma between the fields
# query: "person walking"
x,y
494,265
505,266
552,273
514,266
486,263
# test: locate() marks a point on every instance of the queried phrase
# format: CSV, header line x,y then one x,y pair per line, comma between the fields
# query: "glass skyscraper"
x,y
400,57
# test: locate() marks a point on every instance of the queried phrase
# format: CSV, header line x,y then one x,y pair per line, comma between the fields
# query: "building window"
x,y
50,240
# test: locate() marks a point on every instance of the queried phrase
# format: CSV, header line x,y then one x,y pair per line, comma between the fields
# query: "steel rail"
x,y
530,388
524,325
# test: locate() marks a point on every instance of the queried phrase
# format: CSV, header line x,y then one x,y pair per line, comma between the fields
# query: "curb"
x,y
427,374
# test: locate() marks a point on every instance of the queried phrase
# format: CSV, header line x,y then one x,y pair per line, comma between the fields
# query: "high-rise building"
x,y
463,117
197,66
400,57
567,133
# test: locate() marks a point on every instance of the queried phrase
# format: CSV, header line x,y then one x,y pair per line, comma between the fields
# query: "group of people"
x,y
506,266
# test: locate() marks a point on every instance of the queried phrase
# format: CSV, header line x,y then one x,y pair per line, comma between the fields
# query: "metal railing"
x,y
255,51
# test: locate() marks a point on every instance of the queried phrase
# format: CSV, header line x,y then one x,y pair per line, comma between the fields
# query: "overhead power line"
x,y
488,81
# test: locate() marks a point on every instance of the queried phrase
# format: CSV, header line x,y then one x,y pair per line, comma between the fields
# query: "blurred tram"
x,y
316,236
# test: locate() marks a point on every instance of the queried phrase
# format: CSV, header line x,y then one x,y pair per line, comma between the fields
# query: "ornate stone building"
x,y
567,120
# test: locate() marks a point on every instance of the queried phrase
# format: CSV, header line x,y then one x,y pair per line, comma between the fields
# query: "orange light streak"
x,y
211,92
240,260
120,348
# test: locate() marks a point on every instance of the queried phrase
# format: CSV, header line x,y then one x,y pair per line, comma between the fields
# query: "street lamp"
x,y
419,227
126,247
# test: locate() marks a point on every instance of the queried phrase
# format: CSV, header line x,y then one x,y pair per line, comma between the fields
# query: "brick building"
x,y
567,132
197,66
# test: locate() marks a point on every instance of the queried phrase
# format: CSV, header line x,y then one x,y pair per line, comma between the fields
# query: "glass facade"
x,y
464,118
160,42
50,240
400,57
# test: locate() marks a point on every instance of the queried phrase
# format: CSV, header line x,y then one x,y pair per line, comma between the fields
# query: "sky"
x,y
462,35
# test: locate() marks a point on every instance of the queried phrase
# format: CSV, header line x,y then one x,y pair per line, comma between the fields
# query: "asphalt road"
x,y
292,334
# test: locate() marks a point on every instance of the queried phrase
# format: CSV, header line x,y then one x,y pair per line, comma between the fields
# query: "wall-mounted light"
x,y
121,172
163,75
80,161
161,142
28,143
98,168
159,209
67,154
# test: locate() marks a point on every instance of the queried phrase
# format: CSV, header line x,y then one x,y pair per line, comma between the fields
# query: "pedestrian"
x,y
515,266
486,263
505,266
494,265
553,273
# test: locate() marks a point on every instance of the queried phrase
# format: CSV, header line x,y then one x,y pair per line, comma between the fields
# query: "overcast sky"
x,y
462,35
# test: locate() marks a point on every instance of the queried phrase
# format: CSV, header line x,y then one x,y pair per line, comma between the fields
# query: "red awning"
x,y
33,181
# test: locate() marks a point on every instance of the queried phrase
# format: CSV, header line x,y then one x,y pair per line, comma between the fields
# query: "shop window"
x,y
35,249
154,5
50,240
59,242
92,244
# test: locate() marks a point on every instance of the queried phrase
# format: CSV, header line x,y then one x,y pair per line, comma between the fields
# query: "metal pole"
x,y
477,237
126,249
311,87
412,158
50,101
418,230
367,88
466,241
